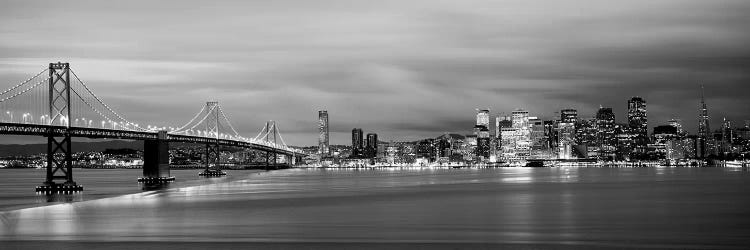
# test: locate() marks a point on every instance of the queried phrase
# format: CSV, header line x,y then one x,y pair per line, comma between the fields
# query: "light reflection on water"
x,y
567,205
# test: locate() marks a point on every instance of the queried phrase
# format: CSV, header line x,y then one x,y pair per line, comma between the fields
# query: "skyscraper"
x,y
568,116
605,124
503,132
323,143
483,118
550,134
372,145
566,140
637,117
522,134
357,142
703,127
727,134
677,123
501,122
483,144
586,133
566,131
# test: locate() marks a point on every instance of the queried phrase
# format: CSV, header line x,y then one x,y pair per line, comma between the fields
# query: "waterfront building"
x,y
519,136
690,148
502,123
586,145
550,134
538,146
727,133
665,141
627,142
391,151
566,133
324,149
483,145
425,151
726,141
566,139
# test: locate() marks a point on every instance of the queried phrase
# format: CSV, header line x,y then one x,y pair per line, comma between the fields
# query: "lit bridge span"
x,y
59,106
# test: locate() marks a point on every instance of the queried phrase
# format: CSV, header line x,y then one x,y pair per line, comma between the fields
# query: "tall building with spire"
x,y
703,126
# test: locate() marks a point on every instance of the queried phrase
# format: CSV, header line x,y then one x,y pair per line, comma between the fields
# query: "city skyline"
x,y
635,116
387,66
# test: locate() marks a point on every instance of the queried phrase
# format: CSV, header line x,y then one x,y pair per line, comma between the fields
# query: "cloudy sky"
x,y
403,69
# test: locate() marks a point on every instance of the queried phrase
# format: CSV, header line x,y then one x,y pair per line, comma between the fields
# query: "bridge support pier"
x,y
156,160
213,161
59,161
297,160
268,156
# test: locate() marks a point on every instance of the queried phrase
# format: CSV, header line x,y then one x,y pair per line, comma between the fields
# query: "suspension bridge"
x,y
55,103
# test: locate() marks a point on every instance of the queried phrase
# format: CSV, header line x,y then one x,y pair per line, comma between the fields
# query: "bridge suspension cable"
x,y
205,116
24,82
260,134
180,129
278,132
22,92
118,116
228,123
89,104
202,120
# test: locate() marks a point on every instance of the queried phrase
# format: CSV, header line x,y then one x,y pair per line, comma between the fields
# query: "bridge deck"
x,y
99,133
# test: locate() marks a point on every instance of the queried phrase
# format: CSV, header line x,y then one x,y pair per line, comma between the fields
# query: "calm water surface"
x,y
569,207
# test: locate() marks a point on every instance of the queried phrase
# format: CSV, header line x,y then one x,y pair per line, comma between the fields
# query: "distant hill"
x,y
30,149
452,136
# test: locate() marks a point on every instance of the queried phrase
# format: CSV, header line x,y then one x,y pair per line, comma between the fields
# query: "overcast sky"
x,y
402,69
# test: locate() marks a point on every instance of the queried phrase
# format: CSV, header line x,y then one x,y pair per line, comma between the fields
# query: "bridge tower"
x,y
213,151
271,133
59,151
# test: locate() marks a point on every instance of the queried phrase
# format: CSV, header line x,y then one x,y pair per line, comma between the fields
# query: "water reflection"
x,y
60,197
542,205
155,186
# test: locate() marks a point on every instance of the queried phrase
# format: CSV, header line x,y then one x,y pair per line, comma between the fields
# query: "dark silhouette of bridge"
x,y
60,108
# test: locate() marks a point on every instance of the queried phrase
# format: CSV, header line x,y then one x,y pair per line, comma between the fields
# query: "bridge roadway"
x,y
99,133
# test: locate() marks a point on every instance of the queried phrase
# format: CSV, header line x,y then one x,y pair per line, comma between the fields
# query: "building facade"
x,y
357,143
324,148
606,140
